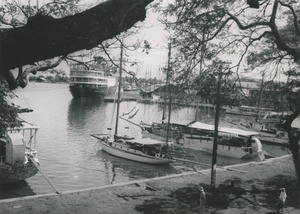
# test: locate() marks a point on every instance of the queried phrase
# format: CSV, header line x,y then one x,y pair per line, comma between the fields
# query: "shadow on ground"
x,y
232,196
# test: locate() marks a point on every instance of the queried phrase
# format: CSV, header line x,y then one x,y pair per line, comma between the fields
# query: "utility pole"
x,y
119,90
215,146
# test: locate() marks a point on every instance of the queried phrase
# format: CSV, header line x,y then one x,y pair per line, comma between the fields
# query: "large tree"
x,y
263,36
44,37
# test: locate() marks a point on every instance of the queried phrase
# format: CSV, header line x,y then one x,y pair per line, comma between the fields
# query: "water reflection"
x,y
82,111
134,170
19,189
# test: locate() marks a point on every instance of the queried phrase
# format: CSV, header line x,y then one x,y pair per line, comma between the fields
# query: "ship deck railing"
x,y
31,152
29,133
88,82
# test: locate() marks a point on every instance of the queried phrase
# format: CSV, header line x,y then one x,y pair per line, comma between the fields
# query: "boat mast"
x,y
167,83
169,93
203,47
119,90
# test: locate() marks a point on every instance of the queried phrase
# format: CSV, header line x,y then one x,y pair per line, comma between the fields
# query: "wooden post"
x,y
215,146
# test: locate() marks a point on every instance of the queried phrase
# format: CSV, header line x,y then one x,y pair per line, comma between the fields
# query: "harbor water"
x,y
72,159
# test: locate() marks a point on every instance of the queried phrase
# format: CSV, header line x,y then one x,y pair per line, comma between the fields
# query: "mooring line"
x,y
45,176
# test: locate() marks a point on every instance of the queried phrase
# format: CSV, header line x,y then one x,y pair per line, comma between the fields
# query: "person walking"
x,y
202,200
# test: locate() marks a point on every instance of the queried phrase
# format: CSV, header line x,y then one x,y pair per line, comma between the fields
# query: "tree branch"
x,y
42,67
294,15
44,37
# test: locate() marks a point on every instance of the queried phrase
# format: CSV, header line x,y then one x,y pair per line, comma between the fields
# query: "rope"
x,y
132,116
128,112
130,121
44,175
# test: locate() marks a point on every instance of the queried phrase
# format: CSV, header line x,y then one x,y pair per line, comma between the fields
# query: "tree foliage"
x,y
266,38
44,37
207,81
8,111
31,34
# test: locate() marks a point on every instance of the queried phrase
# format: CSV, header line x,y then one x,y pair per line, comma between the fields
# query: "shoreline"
x,y
174,193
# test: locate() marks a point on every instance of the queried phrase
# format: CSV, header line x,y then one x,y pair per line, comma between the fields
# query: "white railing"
x,y
86,73
29,133
30,152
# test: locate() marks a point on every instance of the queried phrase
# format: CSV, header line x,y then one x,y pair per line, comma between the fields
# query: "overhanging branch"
x,y
44,37
294,16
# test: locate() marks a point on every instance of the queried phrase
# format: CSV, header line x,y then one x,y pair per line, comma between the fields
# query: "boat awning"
x,y
204,126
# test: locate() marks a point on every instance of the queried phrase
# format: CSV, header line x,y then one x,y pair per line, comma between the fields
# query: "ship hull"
x,y
80,90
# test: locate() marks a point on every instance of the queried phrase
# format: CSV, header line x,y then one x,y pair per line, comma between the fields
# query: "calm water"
x,y
71,158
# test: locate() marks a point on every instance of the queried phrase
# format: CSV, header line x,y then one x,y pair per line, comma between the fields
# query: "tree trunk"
x,y
293,133
44,37
294,139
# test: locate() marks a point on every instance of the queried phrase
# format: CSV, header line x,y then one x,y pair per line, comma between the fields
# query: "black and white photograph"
x,y
149,106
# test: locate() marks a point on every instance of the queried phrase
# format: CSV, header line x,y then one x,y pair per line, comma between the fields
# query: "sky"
x,y
152,31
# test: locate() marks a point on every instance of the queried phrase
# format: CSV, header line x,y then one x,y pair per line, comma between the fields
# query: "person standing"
x,y
202,200
281,200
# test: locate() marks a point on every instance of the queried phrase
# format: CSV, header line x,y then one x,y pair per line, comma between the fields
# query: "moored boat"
x,y
143,150
18,154
91,83
232,142
140,150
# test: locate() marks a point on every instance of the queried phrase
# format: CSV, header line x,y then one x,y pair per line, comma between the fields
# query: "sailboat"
x,y
235,143
143,150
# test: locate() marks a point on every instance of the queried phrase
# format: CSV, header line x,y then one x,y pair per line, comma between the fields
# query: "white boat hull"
x,y
122,151
192,142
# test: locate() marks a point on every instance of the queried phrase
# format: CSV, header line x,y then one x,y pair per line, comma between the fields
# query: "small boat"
x,y
18,154
90,83
232,142
144,150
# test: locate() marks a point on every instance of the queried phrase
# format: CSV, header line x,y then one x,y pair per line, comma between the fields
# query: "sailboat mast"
x,y
169,93
119,90
167,82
